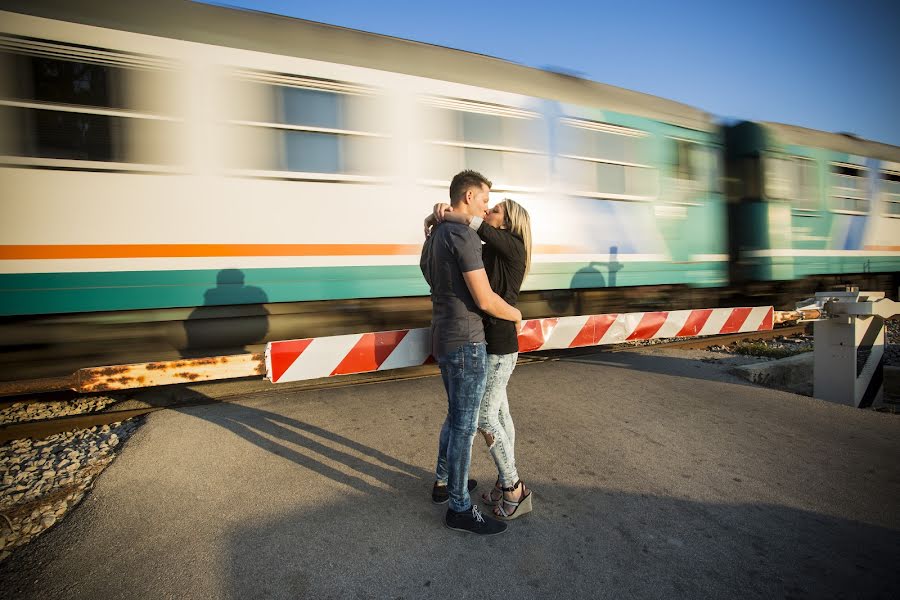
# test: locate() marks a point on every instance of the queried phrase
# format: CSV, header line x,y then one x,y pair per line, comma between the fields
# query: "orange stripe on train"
x,y
29,252
84,251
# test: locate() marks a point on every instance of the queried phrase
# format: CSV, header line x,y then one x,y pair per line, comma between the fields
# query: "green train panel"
x,y
805,203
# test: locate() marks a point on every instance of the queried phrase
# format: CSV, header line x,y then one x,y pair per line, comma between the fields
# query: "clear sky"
x,y
823,64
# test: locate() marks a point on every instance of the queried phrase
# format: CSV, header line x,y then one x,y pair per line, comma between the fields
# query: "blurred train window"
x,y
696,171
807,196
848,189
315,108
690,161
293,124
74,103
795,180
890,185
504,143
601,160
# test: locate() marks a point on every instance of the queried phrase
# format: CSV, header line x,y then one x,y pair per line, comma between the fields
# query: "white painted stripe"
x,y
412,350
755,318
674,322
716,321
565,331
837,253
604,258
708,257
104,265
617,331
320,357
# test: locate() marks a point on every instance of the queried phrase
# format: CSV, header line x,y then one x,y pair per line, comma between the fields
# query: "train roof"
x,y
277,34
801,136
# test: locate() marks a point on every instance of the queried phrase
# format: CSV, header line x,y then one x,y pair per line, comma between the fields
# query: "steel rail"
x,y
41,428
721,340
701,342
45,427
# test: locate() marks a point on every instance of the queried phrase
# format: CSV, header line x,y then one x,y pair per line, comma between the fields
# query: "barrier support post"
x,y
849,347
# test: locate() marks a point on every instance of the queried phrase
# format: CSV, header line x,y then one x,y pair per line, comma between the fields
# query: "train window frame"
x,y
717,184
843,197
279,81
608,128
121,120
692,185
891,199
794,196
815,198
475,107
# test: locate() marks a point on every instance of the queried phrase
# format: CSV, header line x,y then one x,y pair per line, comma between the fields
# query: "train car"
x,y
187,179
812,208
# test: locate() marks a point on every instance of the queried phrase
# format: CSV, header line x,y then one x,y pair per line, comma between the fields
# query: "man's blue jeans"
x,y
464,371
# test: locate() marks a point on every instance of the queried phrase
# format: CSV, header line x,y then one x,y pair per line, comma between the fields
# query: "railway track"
x,y
724,340
702,342
181,397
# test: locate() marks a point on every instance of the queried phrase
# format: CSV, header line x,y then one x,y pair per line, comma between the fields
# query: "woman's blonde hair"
x,y
519,223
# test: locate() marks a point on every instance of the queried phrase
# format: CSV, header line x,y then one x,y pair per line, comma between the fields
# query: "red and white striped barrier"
x,y
296,360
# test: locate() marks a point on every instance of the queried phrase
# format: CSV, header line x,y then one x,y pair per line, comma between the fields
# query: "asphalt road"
x,y
654,477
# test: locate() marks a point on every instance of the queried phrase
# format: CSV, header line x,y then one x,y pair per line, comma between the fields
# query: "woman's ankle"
x,y
514,492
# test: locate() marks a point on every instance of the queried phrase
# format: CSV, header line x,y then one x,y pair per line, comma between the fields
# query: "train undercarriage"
x,y
47,346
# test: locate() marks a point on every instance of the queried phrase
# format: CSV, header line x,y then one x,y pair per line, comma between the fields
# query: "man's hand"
x,y
520,326
486,299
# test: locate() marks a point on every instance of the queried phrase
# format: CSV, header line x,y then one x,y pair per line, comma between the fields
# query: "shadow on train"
x,y
233,316
591,276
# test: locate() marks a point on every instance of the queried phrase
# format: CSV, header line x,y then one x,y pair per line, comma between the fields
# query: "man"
x,y
460,291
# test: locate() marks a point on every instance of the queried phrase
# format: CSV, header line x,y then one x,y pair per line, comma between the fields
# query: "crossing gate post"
x,y
849,346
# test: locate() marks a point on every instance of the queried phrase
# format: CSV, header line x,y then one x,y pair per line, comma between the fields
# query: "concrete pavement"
x,y
655,476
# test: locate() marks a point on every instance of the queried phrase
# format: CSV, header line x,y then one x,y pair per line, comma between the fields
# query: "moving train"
x,y
187,180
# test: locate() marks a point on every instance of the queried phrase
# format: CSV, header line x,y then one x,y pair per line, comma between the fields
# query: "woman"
x,y
506,232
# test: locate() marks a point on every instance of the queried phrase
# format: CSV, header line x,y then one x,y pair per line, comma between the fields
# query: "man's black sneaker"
x,y
472,521
440,495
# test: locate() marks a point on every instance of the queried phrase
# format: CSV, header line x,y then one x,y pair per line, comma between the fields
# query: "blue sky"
x,y
823,64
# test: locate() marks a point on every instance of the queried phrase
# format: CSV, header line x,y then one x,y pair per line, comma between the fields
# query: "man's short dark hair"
x,y
464,180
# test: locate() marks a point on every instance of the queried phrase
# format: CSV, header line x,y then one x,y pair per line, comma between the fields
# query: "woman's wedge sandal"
x,y
489,498
520,508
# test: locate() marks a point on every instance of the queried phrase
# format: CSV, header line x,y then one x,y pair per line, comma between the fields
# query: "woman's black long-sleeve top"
x,y
504,262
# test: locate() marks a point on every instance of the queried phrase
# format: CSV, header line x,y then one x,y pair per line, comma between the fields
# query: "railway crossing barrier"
x,y
297,360
313,358
848,369
849,345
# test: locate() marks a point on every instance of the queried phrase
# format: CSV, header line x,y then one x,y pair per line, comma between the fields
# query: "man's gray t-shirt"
x,y
451,250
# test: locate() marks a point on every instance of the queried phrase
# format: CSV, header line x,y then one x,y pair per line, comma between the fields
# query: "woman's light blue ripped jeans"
x,y
494,420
